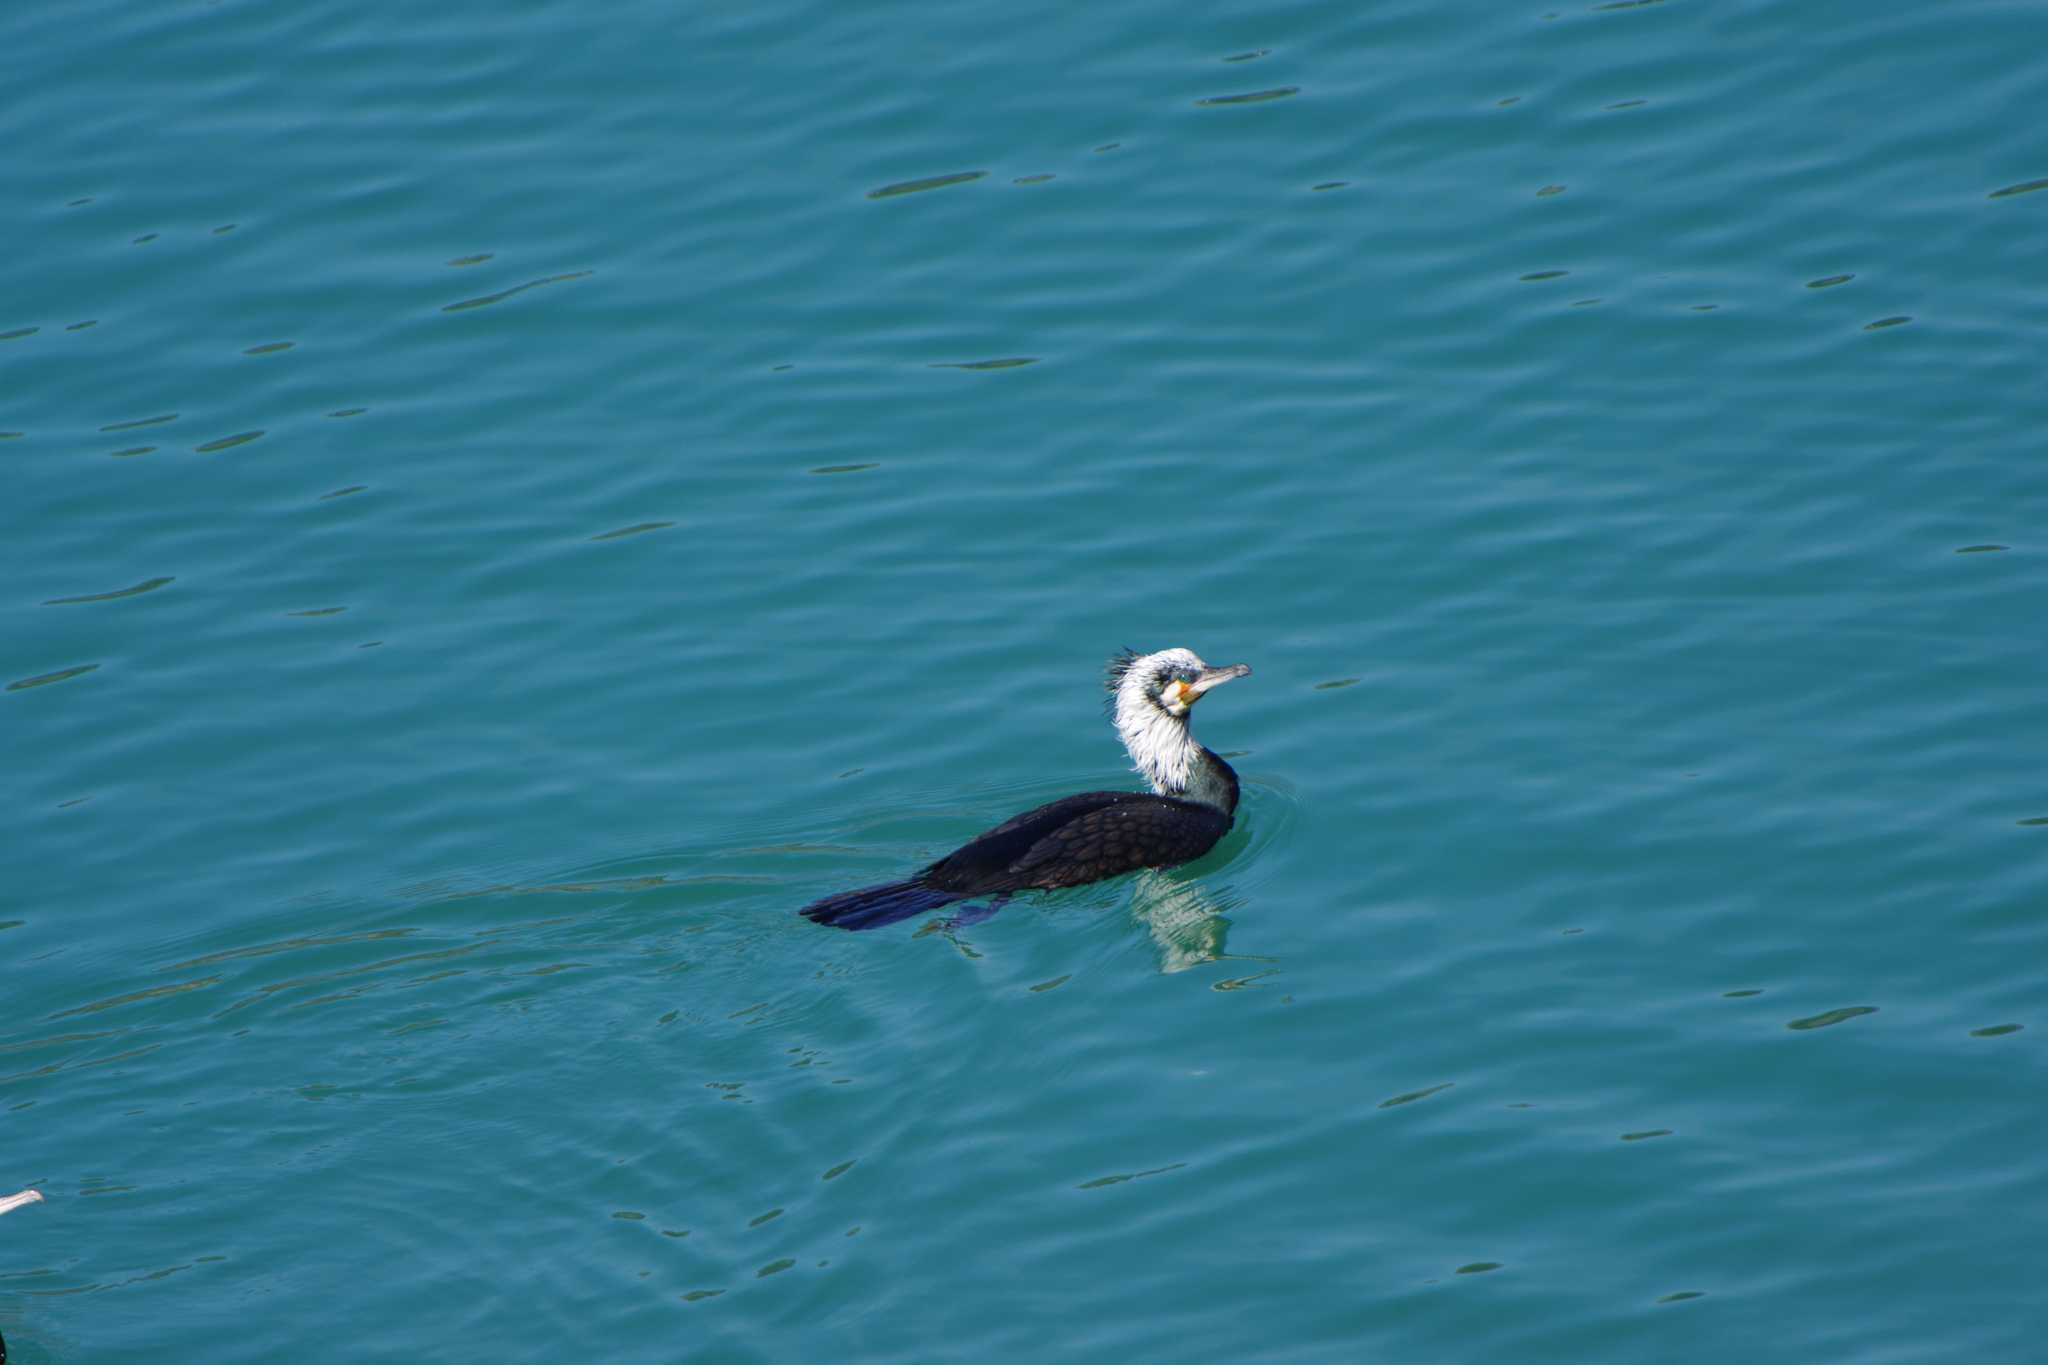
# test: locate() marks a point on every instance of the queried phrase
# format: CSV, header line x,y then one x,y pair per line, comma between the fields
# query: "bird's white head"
x,y
1150,697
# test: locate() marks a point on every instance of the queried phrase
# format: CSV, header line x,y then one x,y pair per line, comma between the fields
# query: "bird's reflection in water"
x,y
1184,917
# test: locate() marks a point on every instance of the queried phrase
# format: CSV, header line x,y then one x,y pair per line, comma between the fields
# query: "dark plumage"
x,y
1093,835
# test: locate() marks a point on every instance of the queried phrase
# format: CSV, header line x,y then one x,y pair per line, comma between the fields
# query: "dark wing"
x,y
983,862
1146,831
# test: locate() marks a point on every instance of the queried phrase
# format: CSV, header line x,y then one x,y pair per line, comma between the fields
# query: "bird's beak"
x,y
1213,677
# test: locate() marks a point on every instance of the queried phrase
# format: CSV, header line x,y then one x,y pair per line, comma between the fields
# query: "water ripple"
x,y
146,585
931,182
1252,97
486,300
45,679
1832,1017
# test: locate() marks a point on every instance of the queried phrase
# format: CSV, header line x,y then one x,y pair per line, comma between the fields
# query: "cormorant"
x,y
1093,835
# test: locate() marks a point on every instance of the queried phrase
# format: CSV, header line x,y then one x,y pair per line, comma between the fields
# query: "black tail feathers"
x,y
874,906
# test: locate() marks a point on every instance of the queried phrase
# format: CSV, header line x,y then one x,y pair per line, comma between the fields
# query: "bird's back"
x,y
1077,839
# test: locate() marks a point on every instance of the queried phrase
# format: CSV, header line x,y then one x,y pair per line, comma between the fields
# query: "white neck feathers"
x,y
1160,746
1170,758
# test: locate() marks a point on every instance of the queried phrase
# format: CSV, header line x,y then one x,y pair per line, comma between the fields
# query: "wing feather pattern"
x,y
1068,842
983,862
1151,831
1080,839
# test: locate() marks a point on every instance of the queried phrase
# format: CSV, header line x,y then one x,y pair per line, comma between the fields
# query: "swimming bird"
x,y
1093,835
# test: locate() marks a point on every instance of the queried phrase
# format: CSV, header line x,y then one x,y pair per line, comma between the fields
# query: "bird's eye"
x,y
1184,676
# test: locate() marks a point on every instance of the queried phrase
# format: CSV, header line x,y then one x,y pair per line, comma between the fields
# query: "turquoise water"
x,y
502,507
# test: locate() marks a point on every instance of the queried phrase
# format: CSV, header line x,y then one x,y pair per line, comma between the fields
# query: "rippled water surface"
x,y
503,505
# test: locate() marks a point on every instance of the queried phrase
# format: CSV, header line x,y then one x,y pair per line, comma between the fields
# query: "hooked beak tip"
x,y
1216,676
